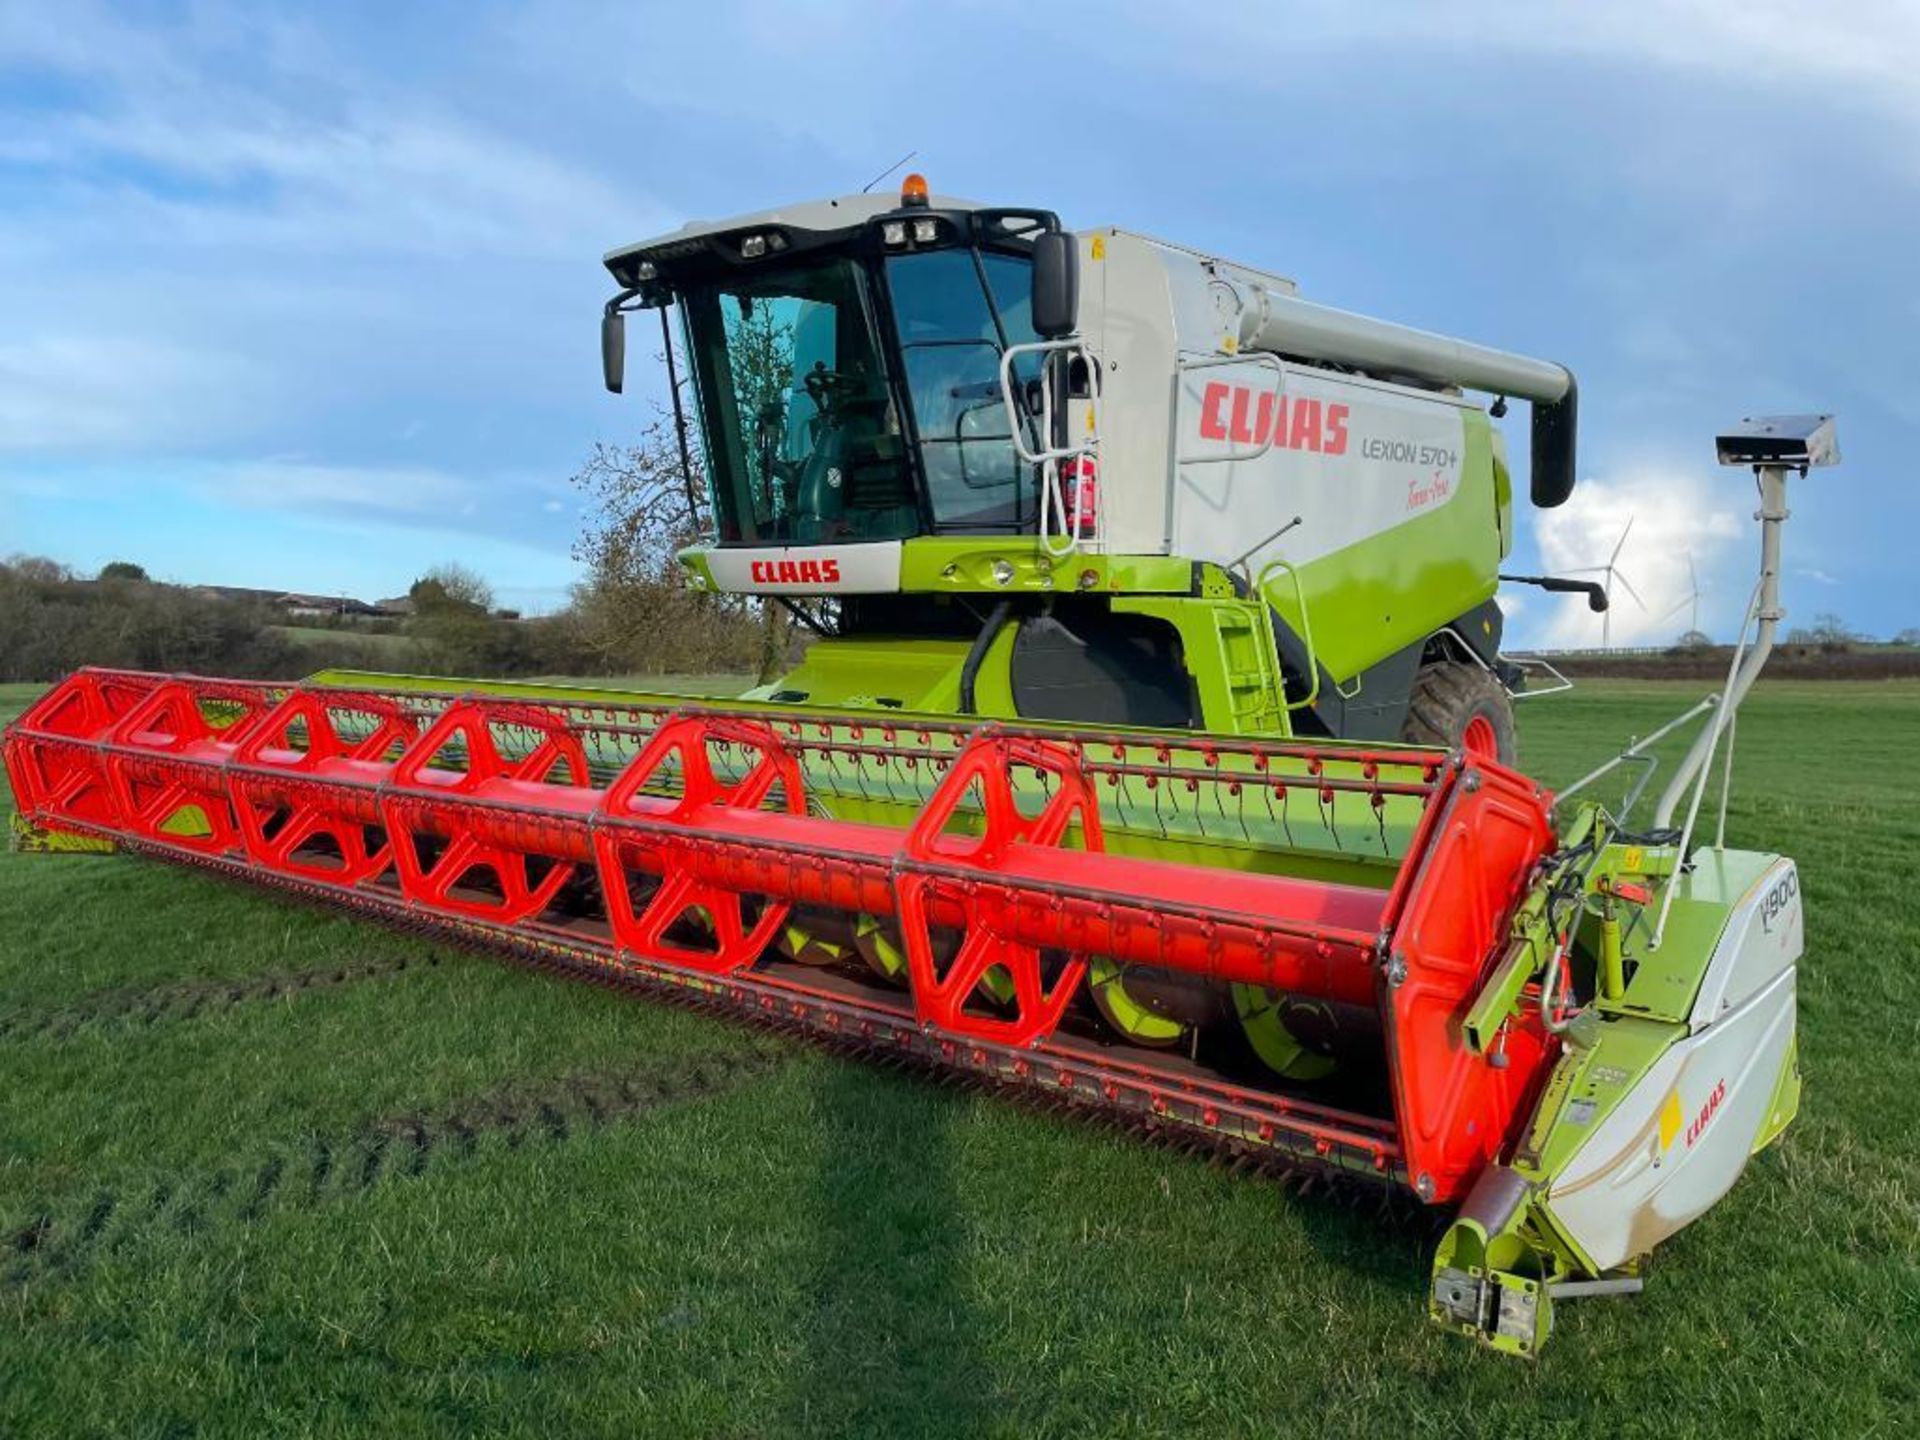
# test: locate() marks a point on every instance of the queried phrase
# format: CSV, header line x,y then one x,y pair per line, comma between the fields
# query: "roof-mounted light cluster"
x,y
762,242
894,234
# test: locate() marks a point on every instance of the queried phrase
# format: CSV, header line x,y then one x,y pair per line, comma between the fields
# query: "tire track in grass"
x,y
325,1169
136,1005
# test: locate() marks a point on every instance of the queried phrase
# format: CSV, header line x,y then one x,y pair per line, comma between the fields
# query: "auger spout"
x,y
1283,324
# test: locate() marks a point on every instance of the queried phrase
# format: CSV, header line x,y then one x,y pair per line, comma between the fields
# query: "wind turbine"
x,y
1613,572
1691,598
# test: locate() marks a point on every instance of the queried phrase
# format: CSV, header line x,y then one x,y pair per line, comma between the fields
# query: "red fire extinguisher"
x,y
1082,489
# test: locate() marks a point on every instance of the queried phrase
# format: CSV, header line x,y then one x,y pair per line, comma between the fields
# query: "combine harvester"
x,y
1154,755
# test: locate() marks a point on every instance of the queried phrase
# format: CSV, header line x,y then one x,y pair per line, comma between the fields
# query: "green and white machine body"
x,y
1190,498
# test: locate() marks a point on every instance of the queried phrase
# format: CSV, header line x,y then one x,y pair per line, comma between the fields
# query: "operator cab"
x,y
845,356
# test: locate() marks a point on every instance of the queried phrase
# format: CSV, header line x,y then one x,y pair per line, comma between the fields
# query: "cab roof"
x,y
817,218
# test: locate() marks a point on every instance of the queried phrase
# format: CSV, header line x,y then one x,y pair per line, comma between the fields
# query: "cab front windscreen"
x,y
806,441
803,438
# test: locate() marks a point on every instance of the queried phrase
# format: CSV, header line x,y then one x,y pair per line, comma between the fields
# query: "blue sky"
x,y
307,297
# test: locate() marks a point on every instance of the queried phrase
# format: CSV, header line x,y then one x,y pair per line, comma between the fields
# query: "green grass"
x,y
754,1238
395,649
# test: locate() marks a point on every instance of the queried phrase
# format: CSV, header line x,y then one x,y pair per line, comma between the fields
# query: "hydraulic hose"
x,y
976,654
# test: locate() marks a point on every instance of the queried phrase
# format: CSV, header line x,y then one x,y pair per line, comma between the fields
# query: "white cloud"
x,y
232,128
1768,41
504,506
395,493
1872,47
1819,577
1675,513
102,392
383,181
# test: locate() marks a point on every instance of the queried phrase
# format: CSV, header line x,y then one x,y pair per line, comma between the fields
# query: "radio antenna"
x,y
888,171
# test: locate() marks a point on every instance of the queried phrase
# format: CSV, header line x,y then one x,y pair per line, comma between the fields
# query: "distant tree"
x,y
121,570
450,620
1830,630
644,503
451,586
38,569
49,628
1696,640
648,500
1909,637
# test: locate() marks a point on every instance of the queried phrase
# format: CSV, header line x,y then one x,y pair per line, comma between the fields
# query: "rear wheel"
x,y
1461,706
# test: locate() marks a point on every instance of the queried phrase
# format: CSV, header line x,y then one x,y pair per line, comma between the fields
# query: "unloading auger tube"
x,y
1282,324
980,876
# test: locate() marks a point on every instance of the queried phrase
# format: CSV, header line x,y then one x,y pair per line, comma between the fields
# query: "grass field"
x,y
264,1171
395,650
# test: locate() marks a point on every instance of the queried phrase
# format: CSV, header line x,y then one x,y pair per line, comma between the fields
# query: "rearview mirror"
x,y
1055,310
613,349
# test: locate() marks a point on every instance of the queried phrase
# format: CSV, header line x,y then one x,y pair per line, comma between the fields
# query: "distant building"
x,y
238,593
296,605
313,606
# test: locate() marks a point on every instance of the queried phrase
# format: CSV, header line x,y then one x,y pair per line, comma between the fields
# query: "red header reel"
x,y
997,861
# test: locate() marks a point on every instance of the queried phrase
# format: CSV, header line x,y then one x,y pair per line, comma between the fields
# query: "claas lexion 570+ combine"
x,y
1155,752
